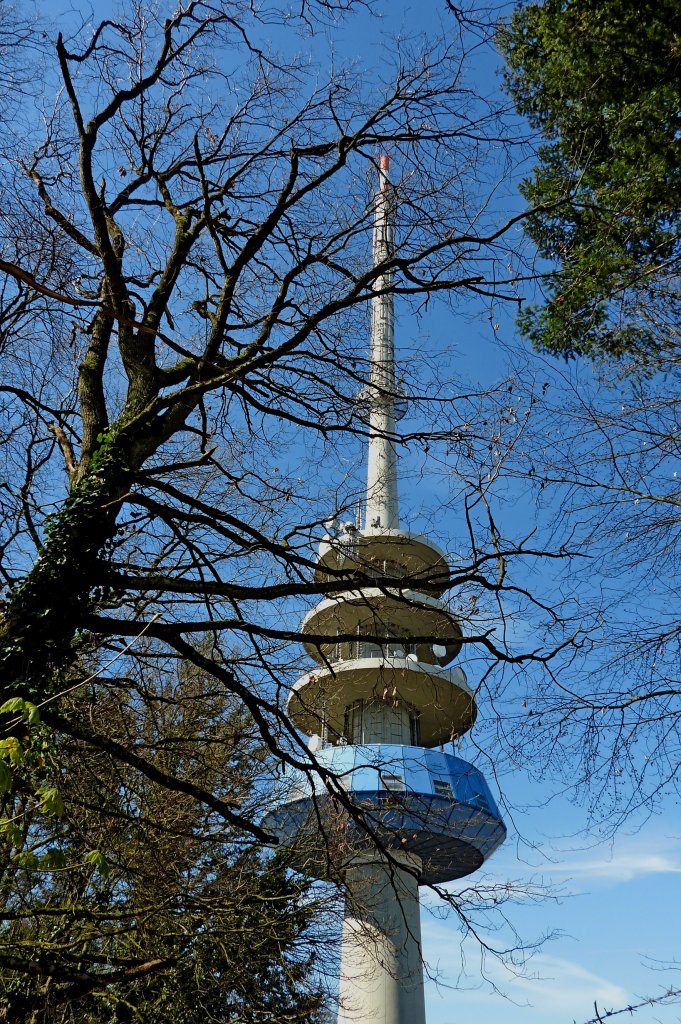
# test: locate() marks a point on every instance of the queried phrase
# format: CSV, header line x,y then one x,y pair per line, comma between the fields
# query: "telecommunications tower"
x,y
380,710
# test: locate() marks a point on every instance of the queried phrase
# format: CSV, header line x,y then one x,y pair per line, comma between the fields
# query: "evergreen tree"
x,y
601,81
122,902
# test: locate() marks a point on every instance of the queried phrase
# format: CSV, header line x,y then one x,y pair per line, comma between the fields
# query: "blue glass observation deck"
x,y
412,799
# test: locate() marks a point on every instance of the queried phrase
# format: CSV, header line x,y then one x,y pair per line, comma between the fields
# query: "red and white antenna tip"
x,y
383,168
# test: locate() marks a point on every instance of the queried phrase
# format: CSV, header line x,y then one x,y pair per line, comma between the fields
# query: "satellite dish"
x,y
412,657
314,743
439,651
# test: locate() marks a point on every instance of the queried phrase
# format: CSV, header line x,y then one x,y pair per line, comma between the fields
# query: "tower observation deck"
x,y
380,704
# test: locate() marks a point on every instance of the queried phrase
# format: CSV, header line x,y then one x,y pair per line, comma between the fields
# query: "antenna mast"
x,y
381,501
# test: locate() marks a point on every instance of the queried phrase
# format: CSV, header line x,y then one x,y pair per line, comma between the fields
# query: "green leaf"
x,y
13,705
26,859
50,801
32,714
98,862
11,832
54,858
28,711
11,748
5,777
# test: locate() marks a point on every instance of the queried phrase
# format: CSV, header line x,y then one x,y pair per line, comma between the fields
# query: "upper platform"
x,y
382,552
374,612
444,702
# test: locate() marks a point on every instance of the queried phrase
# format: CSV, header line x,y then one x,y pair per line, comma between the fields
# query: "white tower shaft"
x,y
381,976
381,503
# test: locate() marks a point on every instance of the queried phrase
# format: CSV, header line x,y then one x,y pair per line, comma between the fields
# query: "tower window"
x,y
395,783
442,788
382,721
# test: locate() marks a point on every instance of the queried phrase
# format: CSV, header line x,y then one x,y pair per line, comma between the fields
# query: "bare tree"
x,y
215,234
187,273
602,457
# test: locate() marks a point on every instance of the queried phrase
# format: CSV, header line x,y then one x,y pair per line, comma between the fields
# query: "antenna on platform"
x,y
381,500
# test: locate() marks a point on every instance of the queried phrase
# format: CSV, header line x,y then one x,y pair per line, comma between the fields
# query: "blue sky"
x,y
619,913
617,918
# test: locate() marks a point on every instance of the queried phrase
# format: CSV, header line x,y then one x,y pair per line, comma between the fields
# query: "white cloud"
x,y
565,986
623,861
620,868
